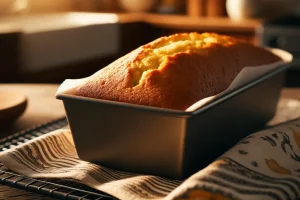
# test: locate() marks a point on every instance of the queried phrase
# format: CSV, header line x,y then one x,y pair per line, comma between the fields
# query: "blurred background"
x,y
48,41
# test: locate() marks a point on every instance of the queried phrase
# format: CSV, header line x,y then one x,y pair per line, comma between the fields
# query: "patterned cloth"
x,y
265,165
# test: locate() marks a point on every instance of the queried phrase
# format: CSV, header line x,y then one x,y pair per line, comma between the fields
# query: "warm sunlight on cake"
x,y
158,52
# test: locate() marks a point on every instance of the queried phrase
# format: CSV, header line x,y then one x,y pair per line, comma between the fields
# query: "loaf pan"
x,y
170,143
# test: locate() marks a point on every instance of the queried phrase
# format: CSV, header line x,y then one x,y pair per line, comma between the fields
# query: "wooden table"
x,y
43,107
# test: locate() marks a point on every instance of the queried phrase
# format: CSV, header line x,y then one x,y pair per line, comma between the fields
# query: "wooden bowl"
x,y
12,106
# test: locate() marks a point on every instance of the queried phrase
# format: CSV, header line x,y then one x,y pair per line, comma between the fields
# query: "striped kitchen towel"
x,y
263,166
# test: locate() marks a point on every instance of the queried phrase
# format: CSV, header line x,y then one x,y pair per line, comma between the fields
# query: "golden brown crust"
x,y
181,75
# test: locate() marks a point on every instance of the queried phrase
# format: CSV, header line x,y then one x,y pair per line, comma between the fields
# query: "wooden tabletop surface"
x,y
43,107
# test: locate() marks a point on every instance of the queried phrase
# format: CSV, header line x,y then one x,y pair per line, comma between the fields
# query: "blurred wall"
x,y
46,6
50,6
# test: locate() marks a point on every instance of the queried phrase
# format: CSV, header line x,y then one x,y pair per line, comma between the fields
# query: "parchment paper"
x,y
247,75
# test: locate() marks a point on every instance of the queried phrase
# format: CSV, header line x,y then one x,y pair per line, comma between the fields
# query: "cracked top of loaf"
x,y
175,71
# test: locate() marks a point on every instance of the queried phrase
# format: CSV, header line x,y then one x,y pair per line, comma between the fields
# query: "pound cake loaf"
x,y
175,71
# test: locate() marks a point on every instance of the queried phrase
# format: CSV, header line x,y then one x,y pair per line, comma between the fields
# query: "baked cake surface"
x,y
175,71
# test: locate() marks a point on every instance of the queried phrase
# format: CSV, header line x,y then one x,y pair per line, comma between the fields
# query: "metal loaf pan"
x,y
170,143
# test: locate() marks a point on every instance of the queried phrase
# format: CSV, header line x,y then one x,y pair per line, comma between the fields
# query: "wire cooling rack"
x,y
61,189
